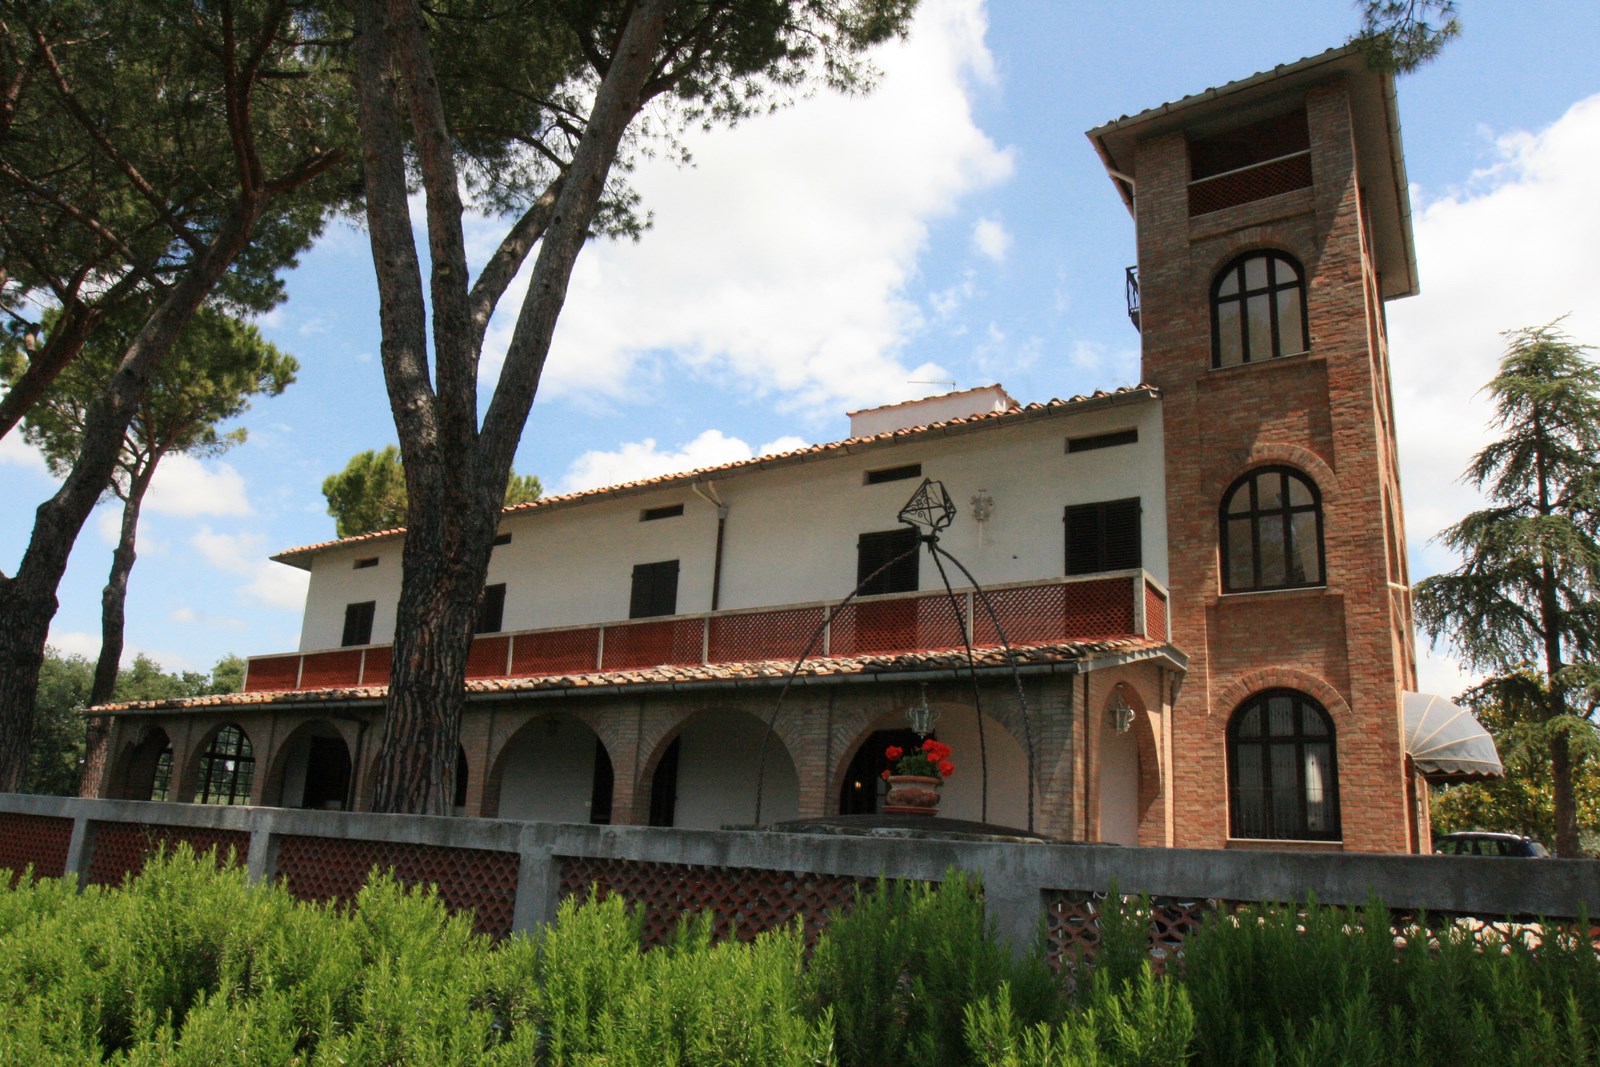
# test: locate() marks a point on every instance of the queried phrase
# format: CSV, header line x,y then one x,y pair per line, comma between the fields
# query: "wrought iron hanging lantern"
x,y
930,508
922,715
1120,713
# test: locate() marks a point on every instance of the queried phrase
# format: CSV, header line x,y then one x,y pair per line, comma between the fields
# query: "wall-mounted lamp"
x,y
1120,714
921,715
982,505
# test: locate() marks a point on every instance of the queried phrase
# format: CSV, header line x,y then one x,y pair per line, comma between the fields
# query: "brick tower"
x,y
1273,222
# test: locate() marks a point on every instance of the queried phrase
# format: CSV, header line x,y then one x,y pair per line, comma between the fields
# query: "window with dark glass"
x,y
666,511
1258,310
1103,536
1271,532
491,608
893,474
655,590
227,769
886,561
1283,780
358,623
161,785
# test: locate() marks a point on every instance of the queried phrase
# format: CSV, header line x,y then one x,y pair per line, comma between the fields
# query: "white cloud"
x,y
990,238
272,584
188,487
87,645
16,452
781,260
1515,247
638,460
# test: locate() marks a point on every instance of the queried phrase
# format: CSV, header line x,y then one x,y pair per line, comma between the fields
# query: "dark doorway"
x,y
327,774
863,788
604,780
664,787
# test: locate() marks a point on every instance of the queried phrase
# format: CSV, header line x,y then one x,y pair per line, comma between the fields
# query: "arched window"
x,y
1283,782
1271,525
1258,310
227,770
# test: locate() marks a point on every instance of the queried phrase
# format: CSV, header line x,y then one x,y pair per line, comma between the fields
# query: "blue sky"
x,y
955,225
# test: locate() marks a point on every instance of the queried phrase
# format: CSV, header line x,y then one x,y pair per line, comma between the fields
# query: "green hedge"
x,y
189,964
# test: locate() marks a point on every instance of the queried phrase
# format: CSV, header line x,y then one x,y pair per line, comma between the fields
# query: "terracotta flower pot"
x,y
912,794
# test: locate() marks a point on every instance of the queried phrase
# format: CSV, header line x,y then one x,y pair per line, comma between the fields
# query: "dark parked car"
x,y
1485,843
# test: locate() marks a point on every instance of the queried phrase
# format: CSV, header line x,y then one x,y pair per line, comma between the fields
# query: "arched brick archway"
x,y
142,763
703,768
552,768
311,767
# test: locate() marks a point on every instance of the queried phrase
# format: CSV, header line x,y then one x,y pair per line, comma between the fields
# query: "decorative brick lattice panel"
x,y
1072,926
1030,616
330,670
760,635
901,625
122,849
1155,613
41,840
267,674
488,657
555,652
746,901
1101,608
330,868
1254,183
653,644
375,669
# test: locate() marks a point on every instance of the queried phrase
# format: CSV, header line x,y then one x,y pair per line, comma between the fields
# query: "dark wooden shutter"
x,y
1103,536
873,550
655,590
358,623
492,608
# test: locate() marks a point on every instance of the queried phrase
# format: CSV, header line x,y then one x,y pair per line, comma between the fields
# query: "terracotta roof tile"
x,y
733,673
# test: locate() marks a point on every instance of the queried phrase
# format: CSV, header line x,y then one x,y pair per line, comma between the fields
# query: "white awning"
x,y
1445,740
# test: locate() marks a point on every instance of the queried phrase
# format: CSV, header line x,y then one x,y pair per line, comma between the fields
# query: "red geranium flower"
x,y
893,752
946,768
885,774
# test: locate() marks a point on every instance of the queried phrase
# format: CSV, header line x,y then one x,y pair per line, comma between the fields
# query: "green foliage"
x,y
1398,35
65,683
370,493
1521,802
1528,589
898,969
192,964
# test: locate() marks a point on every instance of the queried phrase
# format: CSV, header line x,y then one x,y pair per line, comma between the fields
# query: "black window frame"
x,y
1257,517
655,590
1110,439
892,474
358,619
491,609
877,548
665,511
1237,269
1096,536
1267,823
227,768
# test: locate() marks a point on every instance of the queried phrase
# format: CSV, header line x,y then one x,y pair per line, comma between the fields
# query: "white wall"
x,y
717,761
791,530
1119,788
548,772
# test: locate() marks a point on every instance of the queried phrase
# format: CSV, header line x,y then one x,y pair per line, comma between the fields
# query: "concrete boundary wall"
x,y
1019,878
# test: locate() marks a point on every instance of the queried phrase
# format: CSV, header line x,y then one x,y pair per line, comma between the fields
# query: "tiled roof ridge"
x,y
821,666
1054,404
937,396
1278,69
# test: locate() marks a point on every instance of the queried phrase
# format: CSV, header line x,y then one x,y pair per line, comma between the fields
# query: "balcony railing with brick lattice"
x,y
1097,607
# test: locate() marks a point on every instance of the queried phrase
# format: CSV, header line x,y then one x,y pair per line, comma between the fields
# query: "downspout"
x,y
710,496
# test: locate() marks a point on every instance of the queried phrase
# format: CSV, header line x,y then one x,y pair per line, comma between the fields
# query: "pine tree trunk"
x,y
1566,809
443,573
114,597
28,600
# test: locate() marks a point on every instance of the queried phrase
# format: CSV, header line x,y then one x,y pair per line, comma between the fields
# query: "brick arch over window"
x,y
1280,454
1283,775
1258,309
225,769
1247,685
1270,531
